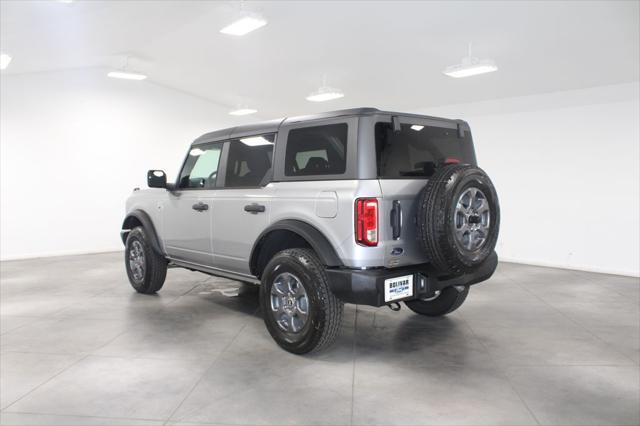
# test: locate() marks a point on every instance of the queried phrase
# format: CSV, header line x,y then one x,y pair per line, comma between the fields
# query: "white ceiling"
x,y
384,54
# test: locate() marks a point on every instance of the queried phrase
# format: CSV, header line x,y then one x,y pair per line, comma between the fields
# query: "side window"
x,y
319,150
249,161
201,168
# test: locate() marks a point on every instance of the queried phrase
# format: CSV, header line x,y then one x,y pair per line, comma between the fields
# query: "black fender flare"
x,y
318,242
147,223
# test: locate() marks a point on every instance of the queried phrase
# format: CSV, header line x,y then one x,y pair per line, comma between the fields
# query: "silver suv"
x,y
358,206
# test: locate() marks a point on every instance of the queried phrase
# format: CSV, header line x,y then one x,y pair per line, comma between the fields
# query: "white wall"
x,y
566,167
74,144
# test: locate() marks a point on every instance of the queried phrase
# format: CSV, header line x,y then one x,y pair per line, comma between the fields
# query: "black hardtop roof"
x,y
272,126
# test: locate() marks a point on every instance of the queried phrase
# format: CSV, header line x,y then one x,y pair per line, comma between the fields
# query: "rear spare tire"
x,y
458,218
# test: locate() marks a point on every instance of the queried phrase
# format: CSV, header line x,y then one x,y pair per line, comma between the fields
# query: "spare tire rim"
x,y
136,261
472,219
289,303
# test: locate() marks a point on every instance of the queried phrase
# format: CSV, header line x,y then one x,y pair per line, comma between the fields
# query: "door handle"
x,y
200,206
396,220
254,208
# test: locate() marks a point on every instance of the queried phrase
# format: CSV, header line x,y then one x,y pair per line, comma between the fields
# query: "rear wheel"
x,y
444,303
145,268
300,311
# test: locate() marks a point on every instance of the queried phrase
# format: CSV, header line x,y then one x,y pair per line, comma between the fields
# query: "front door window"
x,y
201,168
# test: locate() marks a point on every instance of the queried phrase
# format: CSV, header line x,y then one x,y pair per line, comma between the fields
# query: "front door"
x,y
188,212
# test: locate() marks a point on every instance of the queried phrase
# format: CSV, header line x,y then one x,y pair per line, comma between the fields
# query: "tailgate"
x,y
398,232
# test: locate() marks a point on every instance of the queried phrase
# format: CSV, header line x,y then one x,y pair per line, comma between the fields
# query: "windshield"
x,y
417,150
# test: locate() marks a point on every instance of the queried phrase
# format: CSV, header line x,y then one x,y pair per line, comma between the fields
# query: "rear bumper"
x,y
366,287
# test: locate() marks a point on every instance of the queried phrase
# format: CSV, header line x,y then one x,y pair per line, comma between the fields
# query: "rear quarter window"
x,y
318,150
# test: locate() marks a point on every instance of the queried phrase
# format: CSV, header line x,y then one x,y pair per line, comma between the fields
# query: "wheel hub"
x,y
289,303
472,219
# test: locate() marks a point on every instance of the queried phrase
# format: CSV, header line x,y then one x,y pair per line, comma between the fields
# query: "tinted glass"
x,y
319,150
416,150
201,168
249,161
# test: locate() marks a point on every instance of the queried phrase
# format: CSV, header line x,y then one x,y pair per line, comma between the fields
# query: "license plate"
x,y
398,288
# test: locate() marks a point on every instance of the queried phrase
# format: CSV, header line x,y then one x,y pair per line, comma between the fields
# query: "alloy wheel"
x,y
137,261
289,303
472,219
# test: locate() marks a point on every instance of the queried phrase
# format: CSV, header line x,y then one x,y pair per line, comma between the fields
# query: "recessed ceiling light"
x,y
244,25
469,66
4,61
255,141
325,93
243,111
417,127
126,75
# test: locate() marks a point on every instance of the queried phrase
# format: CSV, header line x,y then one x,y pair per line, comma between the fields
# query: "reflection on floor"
x,y
531,346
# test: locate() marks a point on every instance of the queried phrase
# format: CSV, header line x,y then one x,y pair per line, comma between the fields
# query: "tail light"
x,y
367,221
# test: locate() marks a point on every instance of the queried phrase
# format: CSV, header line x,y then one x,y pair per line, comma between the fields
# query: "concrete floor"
x,y
531,346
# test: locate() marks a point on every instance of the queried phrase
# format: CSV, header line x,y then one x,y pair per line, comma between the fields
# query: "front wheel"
x,y
300,311
446,302
146,269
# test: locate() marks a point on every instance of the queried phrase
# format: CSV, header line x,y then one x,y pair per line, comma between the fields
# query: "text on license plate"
x,y
398,288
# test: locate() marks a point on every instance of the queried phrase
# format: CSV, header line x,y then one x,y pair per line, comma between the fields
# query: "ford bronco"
x,y
354,206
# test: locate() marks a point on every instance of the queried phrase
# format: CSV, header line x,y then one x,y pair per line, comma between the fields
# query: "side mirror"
x,y
156,179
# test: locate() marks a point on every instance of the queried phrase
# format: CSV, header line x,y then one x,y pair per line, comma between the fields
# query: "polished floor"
x,y
531,346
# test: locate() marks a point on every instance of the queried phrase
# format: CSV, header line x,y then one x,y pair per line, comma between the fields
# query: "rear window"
x,y
318,150
417,150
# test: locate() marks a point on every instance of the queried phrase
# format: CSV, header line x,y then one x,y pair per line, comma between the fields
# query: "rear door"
x,y
405,160
187,212
241,209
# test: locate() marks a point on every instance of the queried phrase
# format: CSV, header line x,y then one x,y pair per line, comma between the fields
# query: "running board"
x,y
214,271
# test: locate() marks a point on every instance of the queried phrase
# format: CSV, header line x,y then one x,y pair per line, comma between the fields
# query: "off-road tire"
x,y
325,310
436,216
155,270
448,301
